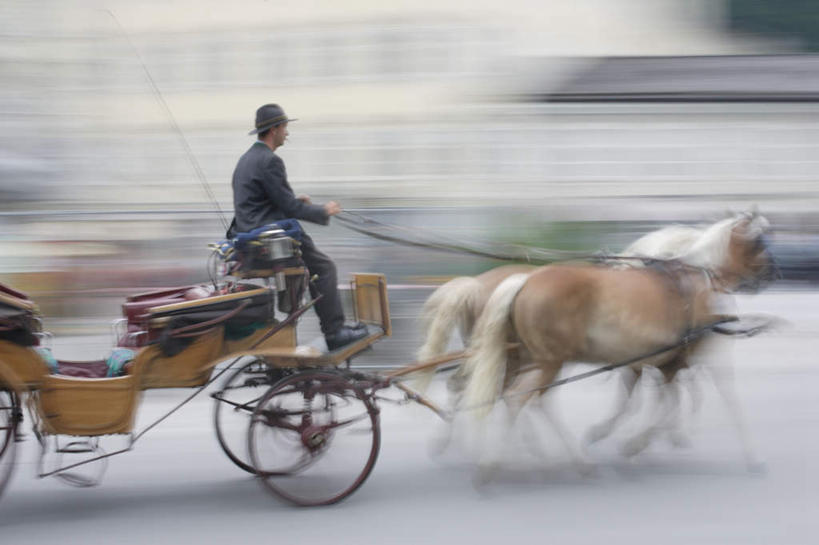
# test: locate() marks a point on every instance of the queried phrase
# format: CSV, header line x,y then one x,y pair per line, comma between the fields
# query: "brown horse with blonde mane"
x,y
457,305
599,314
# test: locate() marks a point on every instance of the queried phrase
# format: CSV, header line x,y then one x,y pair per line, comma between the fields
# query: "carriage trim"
x,y
8,298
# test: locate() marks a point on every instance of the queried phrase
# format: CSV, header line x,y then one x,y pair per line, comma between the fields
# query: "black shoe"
x,y
344,336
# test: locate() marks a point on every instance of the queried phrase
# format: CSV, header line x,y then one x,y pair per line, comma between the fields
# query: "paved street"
x,y
178,487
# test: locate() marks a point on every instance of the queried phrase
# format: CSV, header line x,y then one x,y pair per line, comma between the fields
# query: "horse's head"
x,y
748,263
735,252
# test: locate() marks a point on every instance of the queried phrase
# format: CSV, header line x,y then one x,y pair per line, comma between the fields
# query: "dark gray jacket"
x,y
262,195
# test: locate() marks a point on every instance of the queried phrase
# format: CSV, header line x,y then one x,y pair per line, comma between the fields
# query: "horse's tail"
x,y
486,367
452,304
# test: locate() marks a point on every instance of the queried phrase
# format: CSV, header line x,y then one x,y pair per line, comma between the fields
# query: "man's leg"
x,y
329,309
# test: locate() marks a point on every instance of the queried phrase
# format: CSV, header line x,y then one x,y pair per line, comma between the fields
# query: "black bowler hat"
x,y
269,116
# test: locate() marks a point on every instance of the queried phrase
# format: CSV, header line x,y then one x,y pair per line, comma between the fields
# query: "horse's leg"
x,y
521,390
443,439
625,401
582,463
455,387
694,390
492,435
668,401
723,376
525,386
679,432
441,442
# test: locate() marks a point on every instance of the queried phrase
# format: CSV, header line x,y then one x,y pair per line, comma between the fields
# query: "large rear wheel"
x,y
235,402
10,412
314,438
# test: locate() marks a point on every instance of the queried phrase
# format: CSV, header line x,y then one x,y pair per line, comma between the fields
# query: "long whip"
x,y
172,120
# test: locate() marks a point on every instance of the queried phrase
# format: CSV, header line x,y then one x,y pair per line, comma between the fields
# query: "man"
x,y
262,195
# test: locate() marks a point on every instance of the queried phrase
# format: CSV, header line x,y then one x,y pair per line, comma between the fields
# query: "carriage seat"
x,y
115,365
175,317
136,306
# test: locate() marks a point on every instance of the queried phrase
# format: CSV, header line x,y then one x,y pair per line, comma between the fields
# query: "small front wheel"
x,y
314,438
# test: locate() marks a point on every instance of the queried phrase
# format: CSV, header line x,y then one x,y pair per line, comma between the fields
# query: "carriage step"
x,y
78,447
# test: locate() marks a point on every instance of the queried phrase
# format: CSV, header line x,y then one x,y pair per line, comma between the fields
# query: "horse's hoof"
x,y
634,446
757,467
679,439
484,475
439,445
587,469
535,447
597,433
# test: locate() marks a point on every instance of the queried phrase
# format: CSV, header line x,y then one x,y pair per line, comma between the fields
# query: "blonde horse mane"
x,y
704,246
667,243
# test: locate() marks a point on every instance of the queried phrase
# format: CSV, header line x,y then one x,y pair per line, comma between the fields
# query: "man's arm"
x,y
279,191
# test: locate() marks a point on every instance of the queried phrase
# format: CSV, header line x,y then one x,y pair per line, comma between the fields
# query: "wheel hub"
x,y
314,437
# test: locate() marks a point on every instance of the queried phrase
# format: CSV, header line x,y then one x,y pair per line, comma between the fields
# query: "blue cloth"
x,y
290,227
226,248
117,360
48,358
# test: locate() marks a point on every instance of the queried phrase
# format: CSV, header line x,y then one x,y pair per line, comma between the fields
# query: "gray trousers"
x,y
329,309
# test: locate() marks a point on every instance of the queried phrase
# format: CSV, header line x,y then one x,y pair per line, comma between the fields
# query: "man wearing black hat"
x,y
262,195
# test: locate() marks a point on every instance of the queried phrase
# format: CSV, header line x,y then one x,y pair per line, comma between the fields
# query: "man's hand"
x,y
332,208
305,199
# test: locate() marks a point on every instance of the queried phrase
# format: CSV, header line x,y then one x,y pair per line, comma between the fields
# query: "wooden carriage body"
x,y
89,407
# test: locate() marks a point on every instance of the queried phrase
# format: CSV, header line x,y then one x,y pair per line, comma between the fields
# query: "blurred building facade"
x,y
411,104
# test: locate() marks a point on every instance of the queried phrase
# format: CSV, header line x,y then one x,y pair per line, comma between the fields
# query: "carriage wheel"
x,y
314,438
9,416
235,402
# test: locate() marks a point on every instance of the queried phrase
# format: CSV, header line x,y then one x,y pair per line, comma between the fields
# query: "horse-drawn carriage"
x,y
304,421
175,338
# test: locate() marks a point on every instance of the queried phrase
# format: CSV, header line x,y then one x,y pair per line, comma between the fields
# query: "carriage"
x,y
299,418
305,422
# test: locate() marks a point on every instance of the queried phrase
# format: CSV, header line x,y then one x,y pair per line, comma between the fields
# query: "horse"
x,y
669,243
604,315
458,303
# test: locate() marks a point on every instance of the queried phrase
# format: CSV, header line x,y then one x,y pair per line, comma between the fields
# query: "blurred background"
x,y
577,125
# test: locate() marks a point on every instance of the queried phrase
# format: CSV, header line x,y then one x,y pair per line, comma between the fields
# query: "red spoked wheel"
x,y
314,438
10,412
234,404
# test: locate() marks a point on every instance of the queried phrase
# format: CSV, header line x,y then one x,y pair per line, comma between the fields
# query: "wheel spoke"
x,y
348,421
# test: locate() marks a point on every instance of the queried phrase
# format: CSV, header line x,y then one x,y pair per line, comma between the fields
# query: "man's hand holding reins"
x,y
332,208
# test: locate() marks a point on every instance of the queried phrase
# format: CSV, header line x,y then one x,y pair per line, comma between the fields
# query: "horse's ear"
x,y
754,211
757,225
